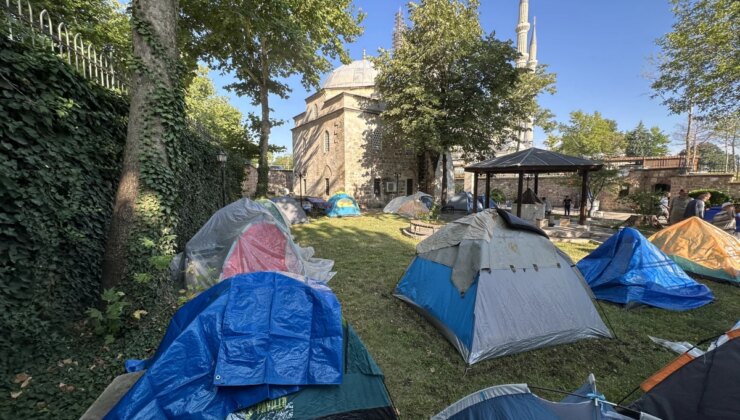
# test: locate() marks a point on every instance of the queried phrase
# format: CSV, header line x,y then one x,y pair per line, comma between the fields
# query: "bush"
x,y
717,198
498,196
643,203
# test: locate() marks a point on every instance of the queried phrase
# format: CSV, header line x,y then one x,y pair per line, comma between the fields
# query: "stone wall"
x,y
312,158
372,157
722,182
279,182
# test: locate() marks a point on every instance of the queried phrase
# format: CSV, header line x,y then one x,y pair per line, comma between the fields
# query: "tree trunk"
x,y
161,16
263,172
689,160
734,156
727,154
443,195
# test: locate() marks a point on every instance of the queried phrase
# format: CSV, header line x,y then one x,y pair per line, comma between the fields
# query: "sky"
x,y
599,49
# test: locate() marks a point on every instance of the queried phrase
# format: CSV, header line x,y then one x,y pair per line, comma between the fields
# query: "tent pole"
x,y
519,189
475,192
488,190
584,198
536,184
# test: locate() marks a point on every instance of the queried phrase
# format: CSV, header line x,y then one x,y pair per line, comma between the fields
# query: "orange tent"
x,y
701,248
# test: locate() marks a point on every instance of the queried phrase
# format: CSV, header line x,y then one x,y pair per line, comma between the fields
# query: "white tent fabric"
x,y
525,294
208,250
396,203
291,210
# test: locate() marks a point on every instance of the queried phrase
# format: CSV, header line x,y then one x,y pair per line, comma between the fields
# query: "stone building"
x,y
337,145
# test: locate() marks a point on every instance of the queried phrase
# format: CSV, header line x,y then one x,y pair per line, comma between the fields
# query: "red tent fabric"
x,y
261,247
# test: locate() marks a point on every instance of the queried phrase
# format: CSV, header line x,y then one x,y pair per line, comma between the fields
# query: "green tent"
x,y
362,394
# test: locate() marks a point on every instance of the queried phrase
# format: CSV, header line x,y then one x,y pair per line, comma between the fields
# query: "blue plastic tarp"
x,y
628,269
342,205
250,338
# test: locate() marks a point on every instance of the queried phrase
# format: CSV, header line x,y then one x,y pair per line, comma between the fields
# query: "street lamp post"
x,y
301,186
222,157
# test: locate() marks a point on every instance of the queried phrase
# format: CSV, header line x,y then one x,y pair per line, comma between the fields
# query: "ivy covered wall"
x,y
61,142
61,139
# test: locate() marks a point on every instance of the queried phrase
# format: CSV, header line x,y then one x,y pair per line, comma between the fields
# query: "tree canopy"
x,y
710,156
213,113
699,63
104,23
587,135
263,42
644,142
449,84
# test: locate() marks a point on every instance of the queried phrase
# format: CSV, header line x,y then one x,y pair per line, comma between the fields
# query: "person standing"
x,y
725,219
664,202
696,206
566,205
677,206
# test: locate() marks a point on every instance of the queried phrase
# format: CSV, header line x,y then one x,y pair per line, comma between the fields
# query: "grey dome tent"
x,y
495,285
291,209
417,202
462,201
245,237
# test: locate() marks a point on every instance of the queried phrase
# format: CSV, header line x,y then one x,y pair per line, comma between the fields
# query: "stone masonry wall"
x,y
366,161
279,182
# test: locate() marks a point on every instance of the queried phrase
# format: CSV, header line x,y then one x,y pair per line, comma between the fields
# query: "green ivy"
x,y
61,141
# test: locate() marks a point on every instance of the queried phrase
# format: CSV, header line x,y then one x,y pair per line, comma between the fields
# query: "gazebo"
x,y
533,161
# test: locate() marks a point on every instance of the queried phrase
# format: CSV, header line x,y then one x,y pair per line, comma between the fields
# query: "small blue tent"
x,y
517,402
341,205
628,269
250,338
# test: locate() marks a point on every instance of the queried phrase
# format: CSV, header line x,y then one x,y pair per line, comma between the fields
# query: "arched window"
x,y
326,142
315,113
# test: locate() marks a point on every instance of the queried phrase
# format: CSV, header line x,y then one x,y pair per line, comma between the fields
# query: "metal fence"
x,y
23,24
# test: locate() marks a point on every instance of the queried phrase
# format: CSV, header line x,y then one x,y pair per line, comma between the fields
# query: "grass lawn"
x,y
424,373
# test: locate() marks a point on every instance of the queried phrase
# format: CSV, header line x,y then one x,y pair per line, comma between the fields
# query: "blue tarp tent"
x,y
628,269
341,205
250,338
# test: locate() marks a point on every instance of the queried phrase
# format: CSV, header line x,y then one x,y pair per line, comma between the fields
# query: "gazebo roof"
x,y
534,160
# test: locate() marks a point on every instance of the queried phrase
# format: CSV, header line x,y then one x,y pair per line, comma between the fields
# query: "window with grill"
x,y
376,187
326,142
326,180
376,140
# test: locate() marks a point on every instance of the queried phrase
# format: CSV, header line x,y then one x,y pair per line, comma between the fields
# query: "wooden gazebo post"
x,y
584,198
488,190
475,192
519,189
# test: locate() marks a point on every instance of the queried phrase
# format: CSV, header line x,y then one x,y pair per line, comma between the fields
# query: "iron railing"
x,y
24,25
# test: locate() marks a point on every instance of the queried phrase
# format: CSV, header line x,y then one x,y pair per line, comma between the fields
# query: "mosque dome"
x,y
359,73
